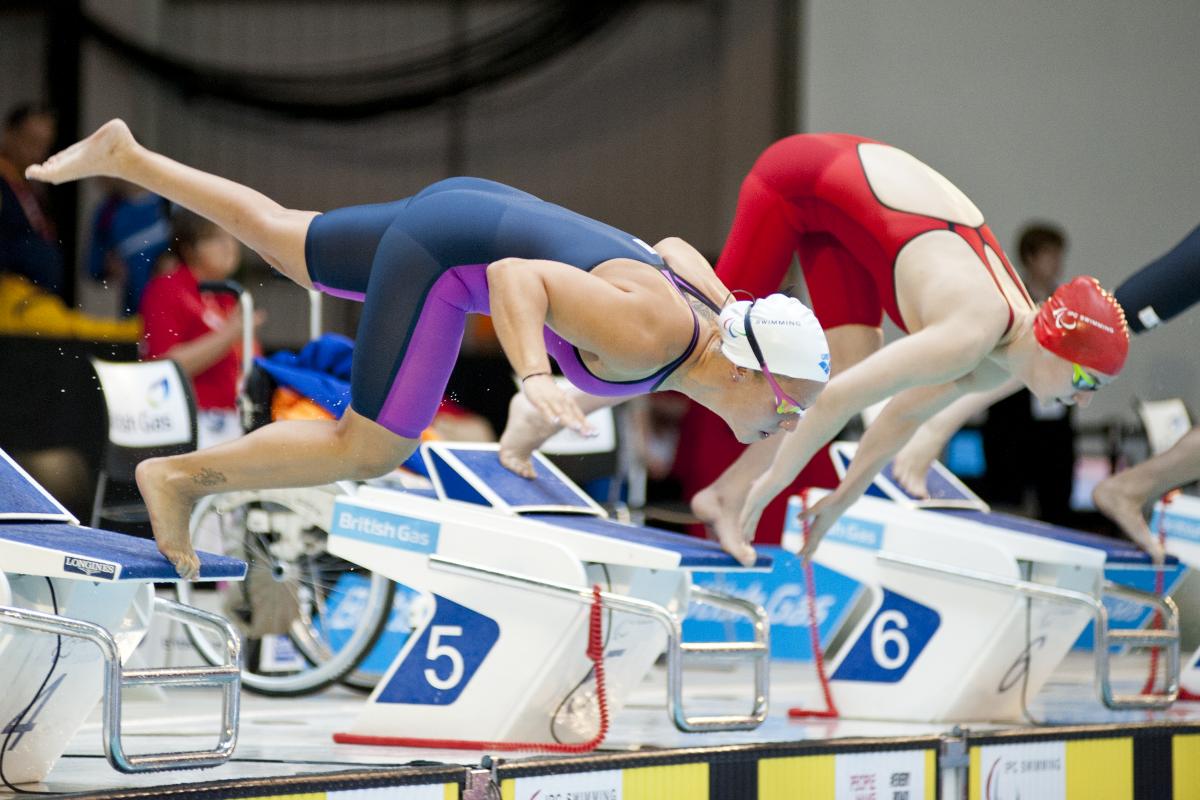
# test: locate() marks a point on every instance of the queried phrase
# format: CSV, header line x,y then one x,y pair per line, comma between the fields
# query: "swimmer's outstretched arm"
x,y
938,354
622,324
898,421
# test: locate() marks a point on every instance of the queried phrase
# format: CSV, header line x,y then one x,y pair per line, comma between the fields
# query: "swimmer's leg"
x,y
719,505
1123,496
288,453
274,232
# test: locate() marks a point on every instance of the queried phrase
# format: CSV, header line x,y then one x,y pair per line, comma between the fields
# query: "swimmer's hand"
x,y
761,493
543,392
912,463
819,518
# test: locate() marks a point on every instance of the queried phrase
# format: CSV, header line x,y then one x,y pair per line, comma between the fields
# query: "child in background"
x,y
200,331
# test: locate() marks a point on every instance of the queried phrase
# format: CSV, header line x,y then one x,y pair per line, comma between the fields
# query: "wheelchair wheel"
x,y
307,617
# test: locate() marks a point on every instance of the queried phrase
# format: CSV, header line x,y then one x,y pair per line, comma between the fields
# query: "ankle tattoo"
x,y
208,477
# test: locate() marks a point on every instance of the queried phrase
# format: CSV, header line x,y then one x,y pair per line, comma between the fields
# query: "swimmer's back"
x,y
460,221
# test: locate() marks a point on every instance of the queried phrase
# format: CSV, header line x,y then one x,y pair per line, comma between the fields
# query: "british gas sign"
x,y
781,592
147,404
384,527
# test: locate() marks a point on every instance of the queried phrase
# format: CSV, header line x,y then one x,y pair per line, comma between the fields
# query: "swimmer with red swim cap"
x,y
878,232
1085,325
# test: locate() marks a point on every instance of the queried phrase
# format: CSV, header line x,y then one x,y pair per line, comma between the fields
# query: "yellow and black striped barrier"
x,y
1094,762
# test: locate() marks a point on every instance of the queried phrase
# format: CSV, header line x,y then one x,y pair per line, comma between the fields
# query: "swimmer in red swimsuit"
x,y
878,231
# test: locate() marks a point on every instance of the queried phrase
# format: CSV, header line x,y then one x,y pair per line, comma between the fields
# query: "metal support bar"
x,y
676,648
1169,638
227,677
315,322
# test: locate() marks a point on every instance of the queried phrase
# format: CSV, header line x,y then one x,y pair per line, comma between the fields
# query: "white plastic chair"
x,y
151,412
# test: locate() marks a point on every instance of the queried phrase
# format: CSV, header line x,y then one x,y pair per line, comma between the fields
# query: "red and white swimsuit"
x,y
852,209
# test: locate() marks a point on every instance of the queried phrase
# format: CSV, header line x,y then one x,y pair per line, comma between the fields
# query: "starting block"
x,y
968,612
498,653
92,591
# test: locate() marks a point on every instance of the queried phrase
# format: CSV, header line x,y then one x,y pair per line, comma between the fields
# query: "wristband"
x,y
534,375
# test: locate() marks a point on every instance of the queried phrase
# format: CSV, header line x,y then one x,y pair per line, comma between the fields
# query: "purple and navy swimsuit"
x,y
419,265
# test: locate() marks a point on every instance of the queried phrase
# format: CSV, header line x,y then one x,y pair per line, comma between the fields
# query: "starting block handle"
x,y
677,650
757,651
1167,638
226,676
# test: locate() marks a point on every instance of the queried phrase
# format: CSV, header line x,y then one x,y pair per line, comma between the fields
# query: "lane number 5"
x,y
437,649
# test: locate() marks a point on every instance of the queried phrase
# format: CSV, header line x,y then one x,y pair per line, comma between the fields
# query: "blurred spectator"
x,y
28,241
130,231
201,331
1020,425
1042,246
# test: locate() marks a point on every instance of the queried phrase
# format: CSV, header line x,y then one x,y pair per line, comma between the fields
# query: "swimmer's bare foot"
x,y
170,510
1124,507
98,154
720,518
911,465
526,431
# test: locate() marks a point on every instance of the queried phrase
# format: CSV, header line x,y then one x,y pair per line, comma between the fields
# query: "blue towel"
x,y
321,372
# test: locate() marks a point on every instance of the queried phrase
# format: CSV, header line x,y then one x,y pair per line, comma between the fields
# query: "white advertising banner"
x,y
1032,769
890,775
604,785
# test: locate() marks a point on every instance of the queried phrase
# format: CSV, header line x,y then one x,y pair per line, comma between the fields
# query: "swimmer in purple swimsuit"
x,y
617,315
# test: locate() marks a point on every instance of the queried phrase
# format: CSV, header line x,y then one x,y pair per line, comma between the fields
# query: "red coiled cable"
x,y
810,591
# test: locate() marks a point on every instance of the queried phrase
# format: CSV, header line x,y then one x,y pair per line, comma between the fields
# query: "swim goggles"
x,y
784,404
1083,380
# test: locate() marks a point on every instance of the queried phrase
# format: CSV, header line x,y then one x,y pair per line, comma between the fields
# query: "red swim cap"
x,y
1085,324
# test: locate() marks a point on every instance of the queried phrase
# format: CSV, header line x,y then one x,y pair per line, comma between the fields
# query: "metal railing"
x,y
678,651
1167,637
226,677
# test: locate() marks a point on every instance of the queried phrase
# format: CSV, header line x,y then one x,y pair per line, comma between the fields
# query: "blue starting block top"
x,y
693,553
61,549
38,536
22,498
1117,551
944,488
475,475
937,482
947,495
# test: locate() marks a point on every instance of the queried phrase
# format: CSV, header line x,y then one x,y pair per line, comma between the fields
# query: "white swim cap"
x,y
787,332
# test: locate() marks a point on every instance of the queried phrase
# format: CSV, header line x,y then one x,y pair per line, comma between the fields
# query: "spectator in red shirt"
x,y
200,331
